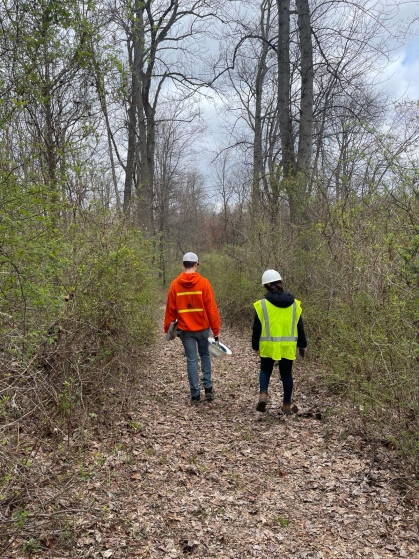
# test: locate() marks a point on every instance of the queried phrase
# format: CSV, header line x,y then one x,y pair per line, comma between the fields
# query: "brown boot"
x,y
263,400
286,409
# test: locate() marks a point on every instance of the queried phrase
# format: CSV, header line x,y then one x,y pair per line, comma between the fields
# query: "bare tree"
x,y
286,101
178,130
163,48
49,99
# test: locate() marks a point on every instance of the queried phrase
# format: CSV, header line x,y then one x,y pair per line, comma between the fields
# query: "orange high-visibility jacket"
x,y
191,300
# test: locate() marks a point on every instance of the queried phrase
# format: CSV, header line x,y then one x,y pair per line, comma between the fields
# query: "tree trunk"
x,y
258,167
132,134
306,104
146,149
284,89
141,132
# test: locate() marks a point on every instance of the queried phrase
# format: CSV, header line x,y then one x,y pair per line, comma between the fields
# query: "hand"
x,y
302,351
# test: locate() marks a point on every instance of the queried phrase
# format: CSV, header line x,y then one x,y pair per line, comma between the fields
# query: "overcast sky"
x,y
400,78
403,72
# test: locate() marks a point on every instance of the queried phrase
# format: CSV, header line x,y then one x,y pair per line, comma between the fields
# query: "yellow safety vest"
x,y
279,329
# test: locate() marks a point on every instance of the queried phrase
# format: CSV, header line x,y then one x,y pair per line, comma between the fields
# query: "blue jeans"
x,y
285,370
194,343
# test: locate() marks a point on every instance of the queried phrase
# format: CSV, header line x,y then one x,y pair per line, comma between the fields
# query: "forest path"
x,y
222,480
158,478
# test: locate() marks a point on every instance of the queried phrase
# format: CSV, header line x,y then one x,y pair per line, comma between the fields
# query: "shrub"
x,y
235,289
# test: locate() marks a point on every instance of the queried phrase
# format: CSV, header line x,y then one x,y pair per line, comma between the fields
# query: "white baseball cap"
x,y
190,257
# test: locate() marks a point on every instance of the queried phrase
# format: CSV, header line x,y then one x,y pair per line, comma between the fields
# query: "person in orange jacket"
x,y
191,302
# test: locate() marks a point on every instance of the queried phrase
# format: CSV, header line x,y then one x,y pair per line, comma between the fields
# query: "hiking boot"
x,y
263,400
195,400
286,409
209,394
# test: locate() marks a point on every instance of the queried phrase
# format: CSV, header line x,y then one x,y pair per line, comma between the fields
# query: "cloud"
x,y
401,77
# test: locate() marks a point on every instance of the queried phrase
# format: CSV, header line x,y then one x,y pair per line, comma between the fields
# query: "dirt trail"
x,y
220,480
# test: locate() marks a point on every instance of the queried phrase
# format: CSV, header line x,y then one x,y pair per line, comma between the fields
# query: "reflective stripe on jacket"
x,y
279,329
189,301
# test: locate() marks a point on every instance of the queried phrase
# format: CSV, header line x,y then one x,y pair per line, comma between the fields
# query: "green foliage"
x,y
31,546
77,304
30,262
20,517
235,292
77,299
368,316
282,521
356,273
236,272
111,281
103,263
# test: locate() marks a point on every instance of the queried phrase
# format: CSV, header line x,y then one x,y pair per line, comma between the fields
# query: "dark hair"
x,y
274,287
189,264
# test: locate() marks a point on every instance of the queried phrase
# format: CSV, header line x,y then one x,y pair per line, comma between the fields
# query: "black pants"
x,y
285,370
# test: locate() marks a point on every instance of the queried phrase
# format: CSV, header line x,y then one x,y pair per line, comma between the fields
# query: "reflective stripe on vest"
x,y
189,310
189,293
268,337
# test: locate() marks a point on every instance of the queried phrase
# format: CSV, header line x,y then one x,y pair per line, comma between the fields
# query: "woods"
x,y
257,133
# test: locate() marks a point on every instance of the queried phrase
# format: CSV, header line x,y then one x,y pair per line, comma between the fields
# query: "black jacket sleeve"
x,y
256,333
301,340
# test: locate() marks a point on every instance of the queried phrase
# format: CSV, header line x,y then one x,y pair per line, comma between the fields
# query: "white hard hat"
x,y
217,350
270,276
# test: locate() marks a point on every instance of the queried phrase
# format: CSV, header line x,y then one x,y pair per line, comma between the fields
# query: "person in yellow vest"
x,y
278,330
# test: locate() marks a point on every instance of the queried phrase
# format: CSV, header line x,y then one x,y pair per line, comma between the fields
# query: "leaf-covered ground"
x,y
162,479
